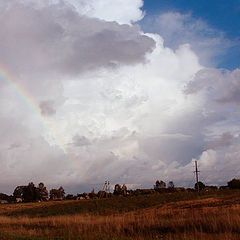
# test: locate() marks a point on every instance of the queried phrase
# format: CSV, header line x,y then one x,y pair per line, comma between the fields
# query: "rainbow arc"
x,y
26,97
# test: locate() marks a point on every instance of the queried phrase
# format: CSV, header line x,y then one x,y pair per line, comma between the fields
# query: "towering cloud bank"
x,y
121,104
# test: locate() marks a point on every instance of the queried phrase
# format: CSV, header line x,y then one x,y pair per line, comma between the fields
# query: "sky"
x,y
220,15
128,91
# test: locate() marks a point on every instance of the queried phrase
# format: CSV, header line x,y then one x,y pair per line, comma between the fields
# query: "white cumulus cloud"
x,y
116,103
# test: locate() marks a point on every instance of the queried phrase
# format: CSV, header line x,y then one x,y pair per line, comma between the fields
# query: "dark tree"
x,y
18,192
61,192
30,193
57,194
171,185
117,190
70,197
102,194
159,185
4,196
92,194
201,186
42,192
234,183
124,190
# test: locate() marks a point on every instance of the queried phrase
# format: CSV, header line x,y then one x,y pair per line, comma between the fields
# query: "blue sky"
x,y
221,15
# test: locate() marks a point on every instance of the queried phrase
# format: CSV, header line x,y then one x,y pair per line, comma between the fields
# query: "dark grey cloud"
x,y
217,90
205,79
221,86
172,147
224,140
55,39
231,94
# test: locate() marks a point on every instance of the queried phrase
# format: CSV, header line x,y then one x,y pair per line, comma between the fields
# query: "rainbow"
x,y
26,97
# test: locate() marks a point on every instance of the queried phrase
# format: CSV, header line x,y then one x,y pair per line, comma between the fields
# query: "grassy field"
x,y
170,216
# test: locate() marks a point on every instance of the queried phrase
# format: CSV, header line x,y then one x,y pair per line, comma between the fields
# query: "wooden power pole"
x,y
196,172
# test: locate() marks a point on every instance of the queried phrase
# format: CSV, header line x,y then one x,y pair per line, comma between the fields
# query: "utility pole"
x,y
106,189
196,172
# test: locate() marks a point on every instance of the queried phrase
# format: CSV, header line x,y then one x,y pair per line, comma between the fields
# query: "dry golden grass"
x,y
205,219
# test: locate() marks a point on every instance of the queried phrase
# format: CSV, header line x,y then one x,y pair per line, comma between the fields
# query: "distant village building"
x,y
19,200
80,198
211,188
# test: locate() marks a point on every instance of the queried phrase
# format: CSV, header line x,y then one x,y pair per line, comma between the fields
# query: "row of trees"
x,y
233,184
120,190
31,193
159,185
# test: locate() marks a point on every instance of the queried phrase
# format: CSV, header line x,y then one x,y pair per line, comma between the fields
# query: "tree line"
x,y
32,193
